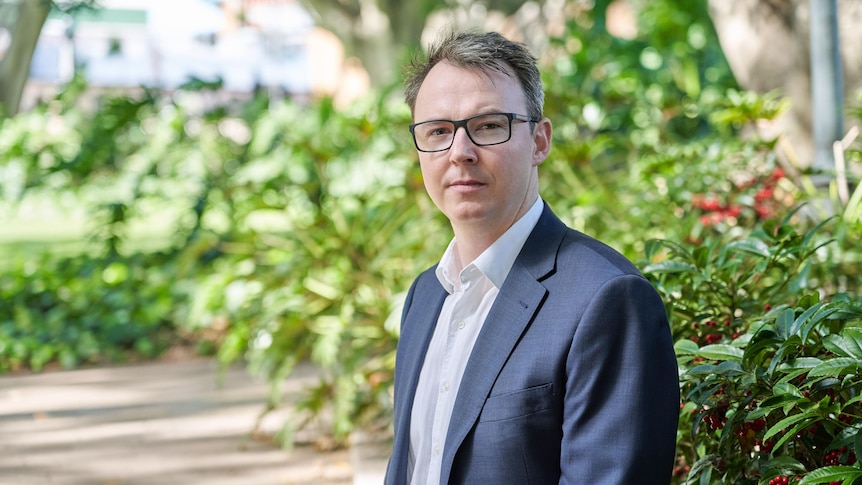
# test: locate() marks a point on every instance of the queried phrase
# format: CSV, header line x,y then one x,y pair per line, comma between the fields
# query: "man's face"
x,y
484,188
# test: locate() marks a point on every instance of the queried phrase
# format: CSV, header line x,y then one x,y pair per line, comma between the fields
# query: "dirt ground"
x,y
170,422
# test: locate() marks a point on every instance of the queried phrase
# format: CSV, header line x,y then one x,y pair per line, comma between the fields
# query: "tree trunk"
x,y
22,20
377,32
380,33
767,44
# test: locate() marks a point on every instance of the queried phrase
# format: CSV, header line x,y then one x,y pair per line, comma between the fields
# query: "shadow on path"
x,y
159,423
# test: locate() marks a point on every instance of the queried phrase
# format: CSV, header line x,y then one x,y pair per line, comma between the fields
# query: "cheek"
x,y
430,175
514,175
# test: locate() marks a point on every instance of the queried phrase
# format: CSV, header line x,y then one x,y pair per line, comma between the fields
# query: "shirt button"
x,y
437,450
460,324
445,386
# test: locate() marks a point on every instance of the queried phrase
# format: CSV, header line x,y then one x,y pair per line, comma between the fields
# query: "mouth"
x,y
466,185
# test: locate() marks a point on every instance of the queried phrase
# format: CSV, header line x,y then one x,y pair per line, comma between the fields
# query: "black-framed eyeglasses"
x,y
483,130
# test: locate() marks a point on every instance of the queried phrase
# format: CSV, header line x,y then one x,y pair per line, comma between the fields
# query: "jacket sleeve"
x,y
621,403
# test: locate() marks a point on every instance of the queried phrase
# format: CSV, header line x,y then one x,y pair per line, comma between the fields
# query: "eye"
x,y
432,130
489,125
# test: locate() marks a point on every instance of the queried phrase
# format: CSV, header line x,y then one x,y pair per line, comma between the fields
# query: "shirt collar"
x,y
496,261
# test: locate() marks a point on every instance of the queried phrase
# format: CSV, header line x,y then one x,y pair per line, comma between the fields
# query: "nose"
x,y
463,150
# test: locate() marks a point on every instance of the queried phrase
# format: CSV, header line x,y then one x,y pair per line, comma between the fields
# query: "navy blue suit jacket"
x,y
572,379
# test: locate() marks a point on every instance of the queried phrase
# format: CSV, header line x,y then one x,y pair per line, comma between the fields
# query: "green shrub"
x,y
85,310
768,366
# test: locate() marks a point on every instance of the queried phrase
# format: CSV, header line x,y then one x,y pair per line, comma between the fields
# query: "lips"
x,y
466,187
466,183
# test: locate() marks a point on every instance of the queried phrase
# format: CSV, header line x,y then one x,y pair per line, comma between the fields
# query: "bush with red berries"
x,y
770,368
755,196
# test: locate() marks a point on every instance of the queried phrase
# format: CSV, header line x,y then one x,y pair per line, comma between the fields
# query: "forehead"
x,y
454,92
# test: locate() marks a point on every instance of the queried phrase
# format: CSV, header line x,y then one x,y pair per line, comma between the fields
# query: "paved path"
x,y
161,423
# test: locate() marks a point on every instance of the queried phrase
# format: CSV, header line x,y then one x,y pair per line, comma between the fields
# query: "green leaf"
x,y
670,267
770,404
784,322
788,346
835,367
701,256
832,474
720,352
795,430
853,338
836,344
809,236
765,339
729,369
654,246
785,389
848,344
751,246
321,288
785,462
703,391
770,227
704,463
703,369
681,347
809,300
792,375
857,443
330,330
800,363
800,321
822,313
782,425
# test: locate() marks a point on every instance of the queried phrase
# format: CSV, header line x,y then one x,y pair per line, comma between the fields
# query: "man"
x,y
531,354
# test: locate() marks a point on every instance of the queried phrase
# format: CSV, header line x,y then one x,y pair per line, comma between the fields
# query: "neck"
x,y
473,239
470,248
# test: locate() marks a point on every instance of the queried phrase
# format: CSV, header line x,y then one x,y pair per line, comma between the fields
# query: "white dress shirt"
x,y
471,295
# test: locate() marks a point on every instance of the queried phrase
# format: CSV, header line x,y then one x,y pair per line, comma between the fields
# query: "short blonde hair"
x,y
483,52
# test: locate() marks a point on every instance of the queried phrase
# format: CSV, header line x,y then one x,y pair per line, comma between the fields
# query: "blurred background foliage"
x,y
274,233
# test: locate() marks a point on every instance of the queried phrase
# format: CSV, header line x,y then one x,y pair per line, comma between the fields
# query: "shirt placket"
x,y
438,429
446,386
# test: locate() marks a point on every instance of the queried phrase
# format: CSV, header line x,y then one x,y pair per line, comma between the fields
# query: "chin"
x,y
474,213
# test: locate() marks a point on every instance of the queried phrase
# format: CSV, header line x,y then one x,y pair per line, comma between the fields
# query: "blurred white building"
x,y
249,44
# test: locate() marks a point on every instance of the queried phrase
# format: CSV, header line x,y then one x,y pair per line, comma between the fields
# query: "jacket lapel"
x,y
517,303
419,323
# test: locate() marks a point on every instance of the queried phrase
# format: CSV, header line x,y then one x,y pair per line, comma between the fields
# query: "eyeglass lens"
x,y
489,129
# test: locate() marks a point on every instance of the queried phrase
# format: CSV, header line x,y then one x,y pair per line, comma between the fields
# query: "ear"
x,y
541,141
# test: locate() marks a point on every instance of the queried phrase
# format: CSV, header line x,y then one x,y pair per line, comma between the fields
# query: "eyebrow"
x,y
480,113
